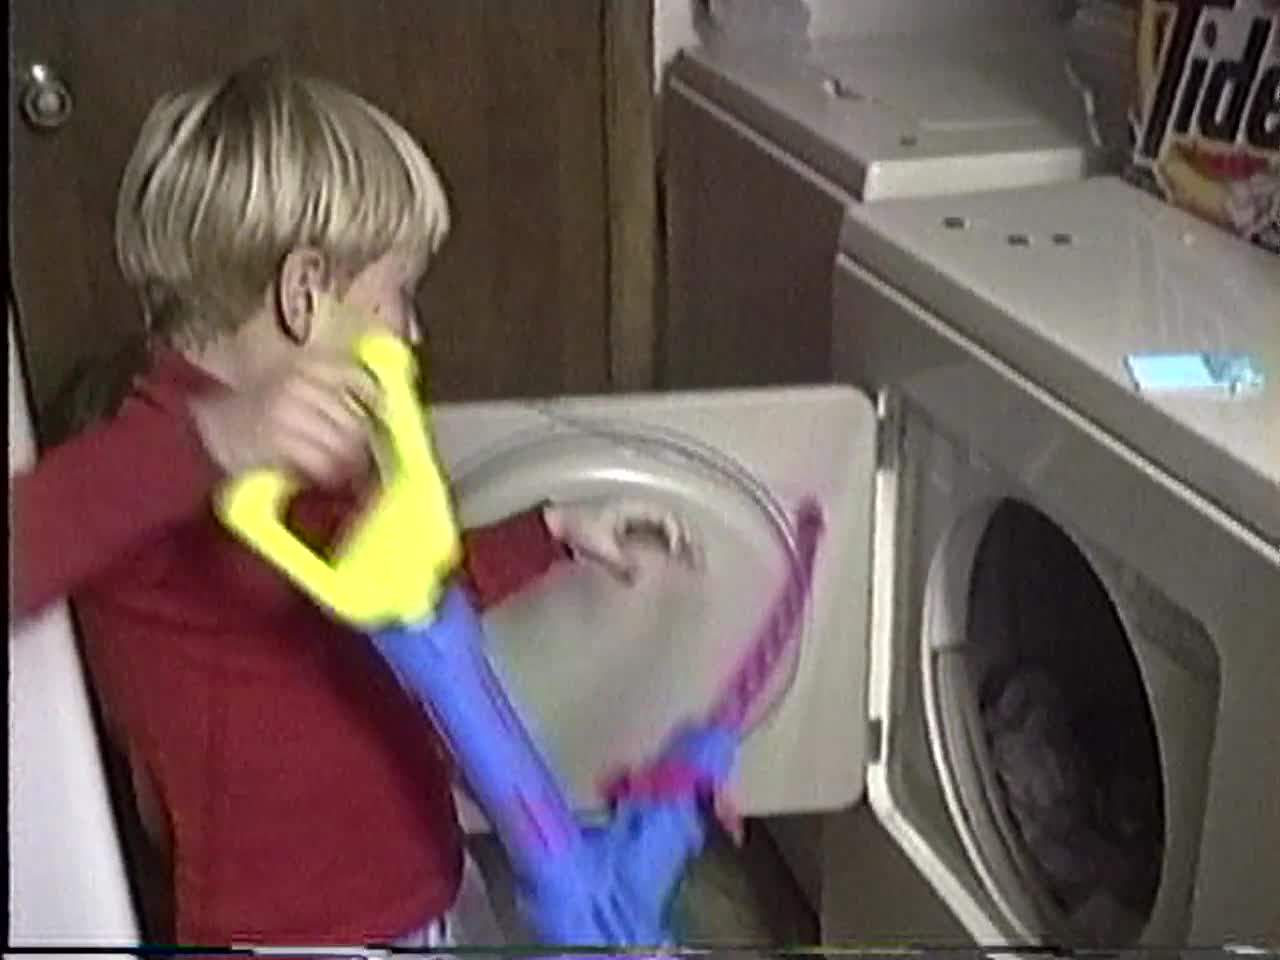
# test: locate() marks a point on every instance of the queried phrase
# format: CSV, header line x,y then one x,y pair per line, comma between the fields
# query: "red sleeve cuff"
x,y
505,557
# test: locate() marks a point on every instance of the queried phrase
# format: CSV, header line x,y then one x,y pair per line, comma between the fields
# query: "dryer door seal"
x,y
903,785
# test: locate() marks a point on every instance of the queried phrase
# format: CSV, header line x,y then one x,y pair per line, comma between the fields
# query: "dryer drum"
x,y
661,651
1045,701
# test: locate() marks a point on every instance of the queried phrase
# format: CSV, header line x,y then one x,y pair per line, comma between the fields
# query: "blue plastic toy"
x,y
604,887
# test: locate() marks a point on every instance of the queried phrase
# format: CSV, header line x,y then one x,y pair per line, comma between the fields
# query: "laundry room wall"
x,y
675,26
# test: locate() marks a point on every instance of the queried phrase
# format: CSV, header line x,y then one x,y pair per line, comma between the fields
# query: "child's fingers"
x,y
348,380
324,439
321,463
728,816
616,562
678,540
313,461
681,541
360,386
342,441
312,401
322,453
612,558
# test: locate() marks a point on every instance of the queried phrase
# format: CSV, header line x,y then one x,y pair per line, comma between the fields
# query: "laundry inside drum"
x,y
603,671
1050,740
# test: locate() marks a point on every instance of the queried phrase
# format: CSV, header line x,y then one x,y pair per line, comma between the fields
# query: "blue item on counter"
x,y
1217,372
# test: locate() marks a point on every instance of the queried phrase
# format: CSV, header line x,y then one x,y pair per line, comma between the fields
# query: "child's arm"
x,y
505,557
92,500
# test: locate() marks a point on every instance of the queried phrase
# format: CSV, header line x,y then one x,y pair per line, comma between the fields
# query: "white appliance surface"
x,y
908,115
1066,280
1004,320
765,147
67,881
945,637
602,671
880,17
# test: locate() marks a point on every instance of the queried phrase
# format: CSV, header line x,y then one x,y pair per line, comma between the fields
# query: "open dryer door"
x,y
602,671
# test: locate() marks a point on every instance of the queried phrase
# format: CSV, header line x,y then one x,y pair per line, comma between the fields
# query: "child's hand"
x,y
726,813
606,533
310,419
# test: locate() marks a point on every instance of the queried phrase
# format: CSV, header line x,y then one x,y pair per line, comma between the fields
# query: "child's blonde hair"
x,y
227,178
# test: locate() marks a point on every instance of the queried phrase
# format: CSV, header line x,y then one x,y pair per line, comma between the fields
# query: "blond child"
x,y
301,795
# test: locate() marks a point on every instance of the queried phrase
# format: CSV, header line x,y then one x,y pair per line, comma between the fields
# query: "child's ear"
x,y
304,276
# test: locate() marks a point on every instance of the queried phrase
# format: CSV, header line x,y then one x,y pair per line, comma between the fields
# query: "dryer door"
x,y
602,671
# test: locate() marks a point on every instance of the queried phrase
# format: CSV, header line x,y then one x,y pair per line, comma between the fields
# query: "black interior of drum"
x,y
1068,726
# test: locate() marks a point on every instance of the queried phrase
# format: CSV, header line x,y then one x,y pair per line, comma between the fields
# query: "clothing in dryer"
x,y
1068,729
1086,832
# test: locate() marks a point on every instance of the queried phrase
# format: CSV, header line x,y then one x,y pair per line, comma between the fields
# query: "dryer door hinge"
x,y
888,441
875,740
889,430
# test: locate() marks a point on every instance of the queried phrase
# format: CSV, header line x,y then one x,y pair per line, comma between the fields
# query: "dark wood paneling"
x,y
630,120
508,98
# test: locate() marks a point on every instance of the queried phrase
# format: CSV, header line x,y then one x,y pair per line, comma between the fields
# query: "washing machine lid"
x,y
602,672
906,116
1064,282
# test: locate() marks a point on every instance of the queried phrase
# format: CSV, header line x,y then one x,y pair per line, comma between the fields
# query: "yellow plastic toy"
x,y
391,566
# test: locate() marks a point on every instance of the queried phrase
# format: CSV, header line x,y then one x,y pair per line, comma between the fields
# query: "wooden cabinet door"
x,y
508,97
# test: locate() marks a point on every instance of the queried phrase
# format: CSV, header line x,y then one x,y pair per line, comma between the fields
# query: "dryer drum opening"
x,y
1049,735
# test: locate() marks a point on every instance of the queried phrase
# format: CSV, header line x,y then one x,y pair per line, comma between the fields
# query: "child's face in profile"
x,y
381,296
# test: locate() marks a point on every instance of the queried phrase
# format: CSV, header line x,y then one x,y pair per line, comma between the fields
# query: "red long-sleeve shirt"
x,y
307,798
